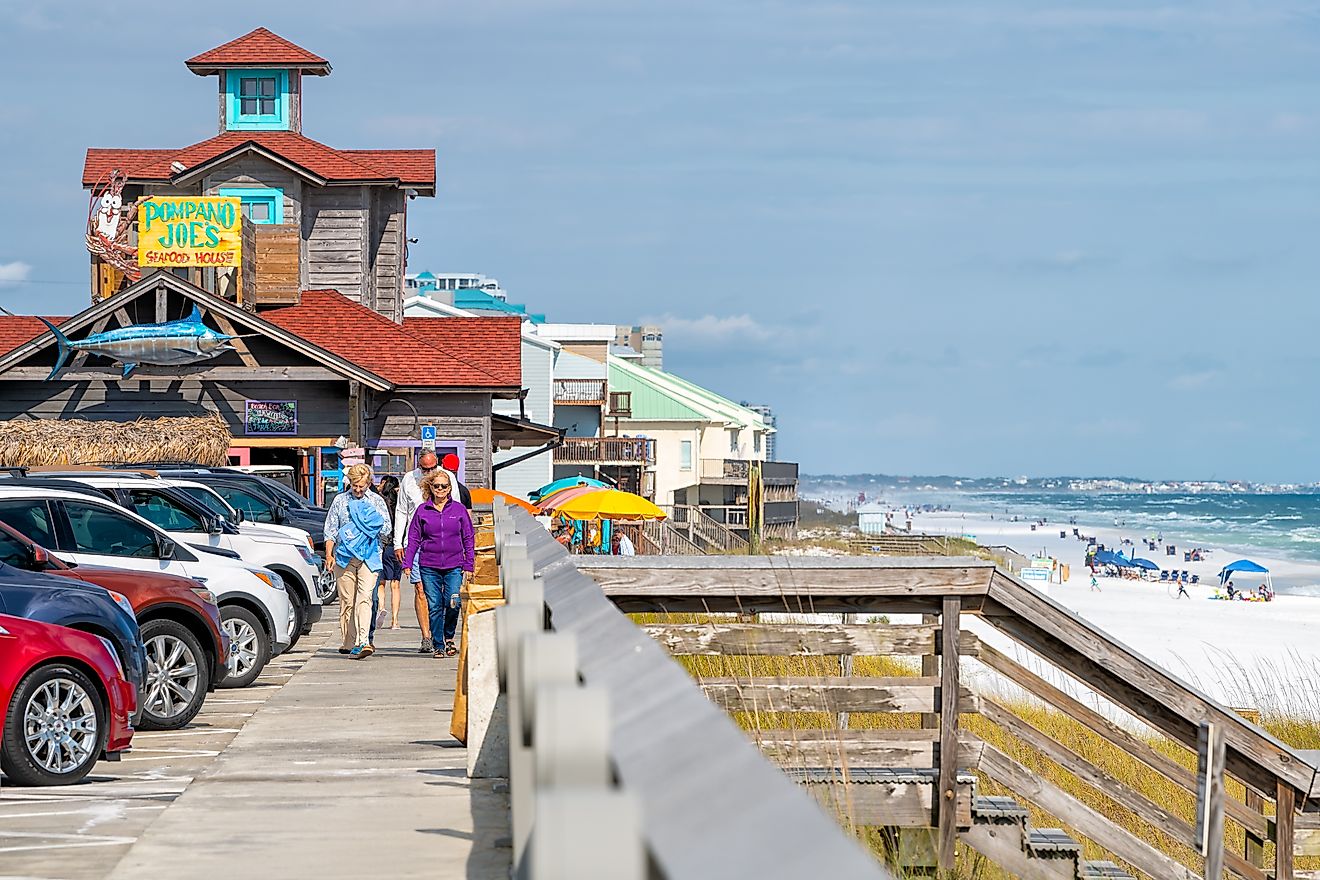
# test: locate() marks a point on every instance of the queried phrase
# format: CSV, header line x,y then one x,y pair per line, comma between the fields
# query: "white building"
x,y
415,284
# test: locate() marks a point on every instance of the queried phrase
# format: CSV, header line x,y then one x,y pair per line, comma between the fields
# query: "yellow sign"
x,y
190,231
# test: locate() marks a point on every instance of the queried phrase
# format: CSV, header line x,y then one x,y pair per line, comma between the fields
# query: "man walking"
x,y
410,498
357,528
450,465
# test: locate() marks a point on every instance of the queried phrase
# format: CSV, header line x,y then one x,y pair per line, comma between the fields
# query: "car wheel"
x,y
177,674
249,649
299,618
55,727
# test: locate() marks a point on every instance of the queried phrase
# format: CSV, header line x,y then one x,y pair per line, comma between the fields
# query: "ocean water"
x,y
1279,526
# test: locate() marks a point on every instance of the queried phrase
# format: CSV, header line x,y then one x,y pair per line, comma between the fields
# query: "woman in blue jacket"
x,y
441,533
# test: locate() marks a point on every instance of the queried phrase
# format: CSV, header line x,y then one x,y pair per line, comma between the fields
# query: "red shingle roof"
x,y
352,331
258,47
18,329
494,344
415,167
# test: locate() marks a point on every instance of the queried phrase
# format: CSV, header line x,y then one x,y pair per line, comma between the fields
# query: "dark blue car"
x,y
78,605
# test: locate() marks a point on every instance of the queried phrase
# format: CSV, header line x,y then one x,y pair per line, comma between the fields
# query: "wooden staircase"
x,y
792,686
711,535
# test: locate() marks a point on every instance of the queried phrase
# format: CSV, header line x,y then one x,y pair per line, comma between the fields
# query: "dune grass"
x,y
1300,729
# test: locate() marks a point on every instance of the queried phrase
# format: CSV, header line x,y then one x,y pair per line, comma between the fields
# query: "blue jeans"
x,y
441,585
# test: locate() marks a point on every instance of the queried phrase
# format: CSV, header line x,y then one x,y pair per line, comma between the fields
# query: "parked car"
x,y
191,522
186,649
64,702
86,528
213,502
59,601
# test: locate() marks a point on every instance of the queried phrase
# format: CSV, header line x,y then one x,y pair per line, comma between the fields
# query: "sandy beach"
x,y
1229,649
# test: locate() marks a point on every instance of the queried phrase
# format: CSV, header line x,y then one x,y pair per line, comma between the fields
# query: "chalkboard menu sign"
x,y
271,417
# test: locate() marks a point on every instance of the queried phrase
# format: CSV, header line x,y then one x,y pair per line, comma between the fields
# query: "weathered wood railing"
x,y
618,766
1069,653
701,528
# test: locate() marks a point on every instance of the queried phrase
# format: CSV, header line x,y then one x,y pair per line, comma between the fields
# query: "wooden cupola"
x,y
260,81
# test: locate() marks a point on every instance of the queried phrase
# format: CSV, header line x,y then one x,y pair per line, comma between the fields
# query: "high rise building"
x,y
647,340
769,415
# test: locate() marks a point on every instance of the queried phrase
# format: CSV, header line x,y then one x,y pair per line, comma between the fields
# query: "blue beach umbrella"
x,y
548,488
1146,564
1245,566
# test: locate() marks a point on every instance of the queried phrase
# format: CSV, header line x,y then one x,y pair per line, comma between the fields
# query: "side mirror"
x,y
164,548
238,515
279,513
215,525
40,558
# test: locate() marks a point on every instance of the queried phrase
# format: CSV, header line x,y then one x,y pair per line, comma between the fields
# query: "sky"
x,y
998,237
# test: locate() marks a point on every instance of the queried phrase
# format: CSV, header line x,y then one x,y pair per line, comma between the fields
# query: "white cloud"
x,y
13,273
713,328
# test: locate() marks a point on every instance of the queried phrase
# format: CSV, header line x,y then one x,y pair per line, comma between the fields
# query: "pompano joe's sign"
x,y
190,231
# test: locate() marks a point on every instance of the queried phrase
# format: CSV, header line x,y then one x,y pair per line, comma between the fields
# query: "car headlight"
x,y
110,649
272,580
122,601
308,556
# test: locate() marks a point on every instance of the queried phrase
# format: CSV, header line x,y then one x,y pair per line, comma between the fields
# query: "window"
x,y
260,204
163,512
13,551
31,518
685,455
208,499
733,439
254,509
756,441
257,100
107,532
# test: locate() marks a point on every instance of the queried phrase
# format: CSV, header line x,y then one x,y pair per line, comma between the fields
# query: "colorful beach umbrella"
x,y
609,504
554,499
486,496
565,483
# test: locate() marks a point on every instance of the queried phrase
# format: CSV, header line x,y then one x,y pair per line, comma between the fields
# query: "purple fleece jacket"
x,y
444,536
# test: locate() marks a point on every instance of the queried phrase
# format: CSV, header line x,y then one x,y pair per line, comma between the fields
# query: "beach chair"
x,y
1185,576
1164,577
1196,578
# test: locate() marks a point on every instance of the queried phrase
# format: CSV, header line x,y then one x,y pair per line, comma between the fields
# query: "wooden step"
x,y
994,808
1102,869
883,796
1004,844
1051,843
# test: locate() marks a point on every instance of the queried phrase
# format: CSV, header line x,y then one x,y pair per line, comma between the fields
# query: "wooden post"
x,y
1213,818
846,668
930,667
1254,849
1284,815
947,793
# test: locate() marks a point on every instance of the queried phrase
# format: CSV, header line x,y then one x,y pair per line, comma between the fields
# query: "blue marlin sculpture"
x,y
176,342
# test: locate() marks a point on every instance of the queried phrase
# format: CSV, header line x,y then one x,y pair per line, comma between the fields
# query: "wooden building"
x,y
323,360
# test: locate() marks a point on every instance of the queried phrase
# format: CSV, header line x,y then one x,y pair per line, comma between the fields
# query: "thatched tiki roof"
x,y
32,443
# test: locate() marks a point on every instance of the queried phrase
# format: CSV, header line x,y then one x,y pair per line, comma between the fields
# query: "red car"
x,y
64,702
187,651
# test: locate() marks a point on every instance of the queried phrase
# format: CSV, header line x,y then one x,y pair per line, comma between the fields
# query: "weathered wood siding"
x,y
386,251
276,259
250,170
322,406
335,227
463,417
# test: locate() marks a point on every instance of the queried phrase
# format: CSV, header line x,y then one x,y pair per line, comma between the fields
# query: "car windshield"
x,y
254,509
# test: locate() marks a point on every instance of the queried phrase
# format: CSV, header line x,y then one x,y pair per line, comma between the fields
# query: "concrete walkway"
x,y
349,771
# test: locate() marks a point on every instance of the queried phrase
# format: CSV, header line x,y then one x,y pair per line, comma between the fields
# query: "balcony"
x,y
606,450
579,392
723,470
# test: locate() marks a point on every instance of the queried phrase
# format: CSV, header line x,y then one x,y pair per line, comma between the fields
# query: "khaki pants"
x,y
356,583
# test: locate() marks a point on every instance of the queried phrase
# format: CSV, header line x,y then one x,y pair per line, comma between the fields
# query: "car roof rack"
x,y
54,483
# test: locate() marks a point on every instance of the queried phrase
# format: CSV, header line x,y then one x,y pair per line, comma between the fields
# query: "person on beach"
x,y
621,545
1182,591
440,539
410,498
357,528
1095,585
390,566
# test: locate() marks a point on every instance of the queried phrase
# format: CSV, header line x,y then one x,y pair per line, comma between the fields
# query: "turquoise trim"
x,y
248,194
237,121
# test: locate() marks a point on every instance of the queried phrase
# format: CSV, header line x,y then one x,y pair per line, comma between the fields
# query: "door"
x,y
98,534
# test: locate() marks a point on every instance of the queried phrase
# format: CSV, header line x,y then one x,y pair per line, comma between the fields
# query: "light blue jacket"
x,y
359,527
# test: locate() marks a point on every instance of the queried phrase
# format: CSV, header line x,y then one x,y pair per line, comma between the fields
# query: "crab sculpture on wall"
x,y
108,226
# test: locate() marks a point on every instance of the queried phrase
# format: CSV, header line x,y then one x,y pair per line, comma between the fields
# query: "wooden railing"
x,y
663,539
702,529
580,392
1026,644
604,730
602,450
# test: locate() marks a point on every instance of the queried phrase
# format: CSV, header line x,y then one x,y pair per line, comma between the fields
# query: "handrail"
x,y
711,530
710,805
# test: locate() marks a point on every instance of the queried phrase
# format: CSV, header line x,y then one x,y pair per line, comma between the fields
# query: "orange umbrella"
x,y
486,496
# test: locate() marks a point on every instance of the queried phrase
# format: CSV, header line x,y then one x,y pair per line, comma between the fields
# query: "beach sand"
x,y
1231,650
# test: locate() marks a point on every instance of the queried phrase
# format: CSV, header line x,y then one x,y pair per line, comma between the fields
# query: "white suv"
x,y
191,521
82,528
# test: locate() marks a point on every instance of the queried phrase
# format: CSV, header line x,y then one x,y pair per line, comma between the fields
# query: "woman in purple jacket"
x,y
441,531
